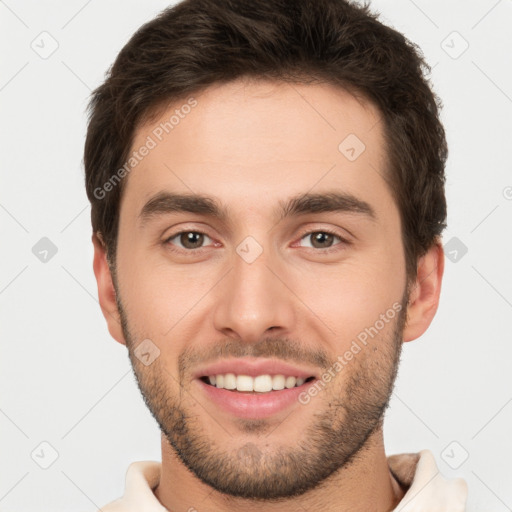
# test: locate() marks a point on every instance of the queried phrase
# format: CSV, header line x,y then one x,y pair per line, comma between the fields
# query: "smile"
x,y
258,384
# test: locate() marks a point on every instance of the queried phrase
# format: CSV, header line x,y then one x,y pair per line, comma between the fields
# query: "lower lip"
x,y
254,405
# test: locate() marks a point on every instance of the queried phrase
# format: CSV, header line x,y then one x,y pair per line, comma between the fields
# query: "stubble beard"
x,y
334,439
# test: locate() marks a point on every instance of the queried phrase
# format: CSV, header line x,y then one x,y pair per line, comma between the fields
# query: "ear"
x,y
106,290
424,293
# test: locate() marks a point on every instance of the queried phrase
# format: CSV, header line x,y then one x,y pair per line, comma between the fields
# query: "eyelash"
x,y
327,250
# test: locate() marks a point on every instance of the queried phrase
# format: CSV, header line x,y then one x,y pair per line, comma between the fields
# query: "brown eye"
x,y
188,239
320,239
191,240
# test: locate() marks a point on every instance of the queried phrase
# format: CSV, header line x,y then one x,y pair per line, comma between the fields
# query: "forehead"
x,y
249,140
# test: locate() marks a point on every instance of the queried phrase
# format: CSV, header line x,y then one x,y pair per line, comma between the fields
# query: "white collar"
x,y
426,488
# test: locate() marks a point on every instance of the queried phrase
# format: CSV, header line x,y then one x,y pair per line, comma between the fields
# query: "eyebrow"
x,y
165,202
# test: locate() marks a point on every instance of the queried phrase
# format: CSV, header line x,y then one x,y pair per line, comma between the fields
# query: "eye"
x,y
188,240
322,239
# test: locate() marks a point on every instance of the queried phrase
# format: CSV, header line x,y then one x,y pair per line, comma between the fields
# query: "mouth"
x,y
258,384
253,388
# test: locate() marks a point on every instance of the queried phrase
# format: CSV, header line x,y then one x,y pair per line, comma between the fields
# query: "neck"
x,y
364,484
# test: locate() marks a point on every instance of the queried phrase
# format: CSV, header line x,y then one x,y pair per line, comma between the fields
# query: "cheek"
x,y
156,295
166,305
344,300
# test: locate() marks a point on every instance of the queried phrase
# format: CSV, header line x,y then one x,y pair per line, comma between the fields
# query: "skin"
x,y
251,145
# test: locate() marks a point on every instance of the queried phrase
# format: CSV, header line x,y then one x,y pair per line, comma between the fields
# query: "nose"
x,y
253,300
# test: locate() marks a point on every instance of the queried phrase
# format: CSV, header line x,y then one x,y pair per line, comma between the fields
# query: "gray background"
x,y
67,384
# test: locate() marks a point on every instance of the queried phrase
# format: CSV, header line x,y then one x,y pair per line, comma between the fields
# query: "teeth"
x,y
230,381
290,382
278,382
244,383
263,383
259,384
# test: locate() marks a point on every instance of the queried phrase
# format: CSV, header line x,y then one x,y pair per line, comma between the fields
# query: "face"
x,y
259,247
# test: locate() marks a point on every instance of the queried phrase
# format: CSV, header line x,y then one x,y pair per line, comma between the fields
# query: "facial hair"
x,y
332,440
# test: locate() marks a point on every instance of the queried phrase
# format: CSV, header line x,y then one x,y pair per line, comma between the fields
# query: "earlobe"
x,y
106,290
424,293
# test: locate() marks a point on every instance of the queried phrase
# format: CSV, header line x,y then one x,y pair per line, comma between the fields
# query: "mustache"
x,y
275,348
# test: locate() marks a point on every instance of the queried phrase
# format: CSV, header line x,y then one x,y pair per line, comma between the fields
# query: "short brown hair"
x,y
197,43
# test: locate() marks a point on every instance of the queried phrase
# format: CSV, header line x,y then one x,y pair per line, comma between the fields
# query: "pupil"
x,y
321,238
191,239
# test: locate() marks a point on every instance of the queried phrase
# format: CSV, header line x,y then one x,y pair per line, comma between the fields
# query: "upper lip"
x,y
254,367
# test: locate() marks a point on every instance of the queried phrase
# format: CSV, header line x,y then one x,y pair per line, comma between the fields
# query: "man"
x,y
267,190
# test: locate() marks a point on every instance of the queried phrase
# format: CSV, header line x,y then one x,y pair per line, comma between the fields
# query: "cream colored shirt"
x,y
427,489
